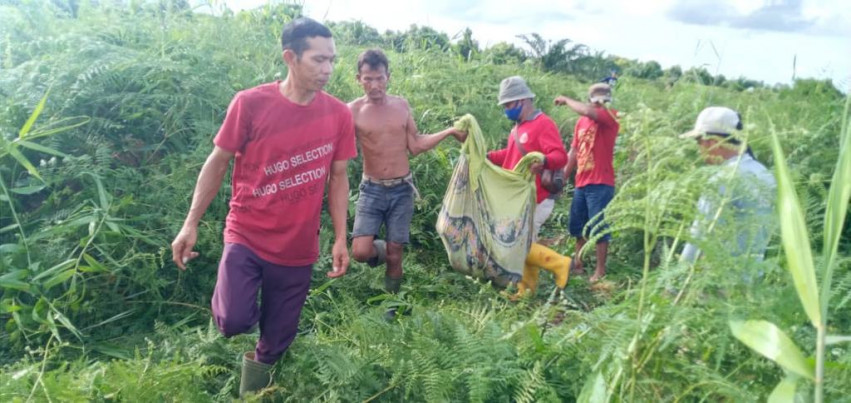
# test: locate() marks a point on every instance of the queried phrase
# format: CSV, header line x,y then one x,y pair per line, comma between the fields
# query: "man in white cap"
x,y
743,189
591,154
533,131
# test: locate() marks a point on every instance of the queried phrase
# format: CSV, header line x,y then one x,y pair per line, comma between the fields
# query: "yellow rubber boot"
x,y
529,281
551,261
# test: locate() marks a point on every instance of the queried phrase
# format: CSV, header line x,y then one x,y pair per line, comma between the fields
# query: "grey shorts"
x,y
392,206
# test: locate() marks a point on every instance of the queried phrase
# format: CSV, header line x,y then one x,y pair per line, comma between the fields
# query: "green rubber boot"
x,y
392,286
255,375
381,257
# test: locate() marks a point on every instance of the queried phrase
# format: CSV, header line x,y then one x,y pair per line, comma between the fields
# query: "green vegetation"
x,y
107,113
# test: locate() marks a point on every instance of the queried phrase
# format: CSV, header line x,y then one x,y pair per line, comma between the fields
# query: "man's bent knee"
x,y
363,249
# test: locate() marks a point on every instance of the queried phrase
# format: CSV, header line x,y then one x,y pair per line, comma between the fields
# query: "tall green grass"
x,y
89,239
764,337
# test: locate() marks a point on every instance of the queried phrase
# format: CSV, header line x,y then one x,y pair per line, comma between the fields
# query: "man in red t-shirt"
x,y
591,154
533,131
287,140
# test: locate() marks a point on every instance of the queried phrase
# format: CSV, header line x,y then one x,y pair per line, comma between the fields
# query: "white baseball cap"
x,y
715,120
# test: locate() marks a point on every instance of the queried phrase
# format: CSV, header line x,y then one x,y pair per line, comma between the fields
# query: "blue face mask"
x,y
513,114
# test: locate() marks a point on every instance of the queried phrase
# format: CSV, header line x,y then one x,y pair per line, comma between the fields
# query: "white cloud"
x,y
632,29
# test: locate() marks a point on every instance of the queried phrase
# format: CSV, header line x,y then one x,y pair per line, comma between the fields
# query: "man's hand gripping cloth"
x,y
486,220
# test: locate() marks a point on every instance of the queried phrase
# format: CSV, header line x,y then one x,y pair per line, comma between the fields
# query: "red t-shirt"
x,y
594,142
283,159
538,134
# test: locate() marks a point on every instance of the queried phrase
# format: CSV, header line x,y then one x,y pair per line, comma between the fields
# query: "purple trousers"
x,y
283,290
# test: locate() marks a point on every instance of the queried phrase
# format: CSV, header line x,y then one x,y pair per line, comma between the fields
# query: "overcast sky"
x,y
752,38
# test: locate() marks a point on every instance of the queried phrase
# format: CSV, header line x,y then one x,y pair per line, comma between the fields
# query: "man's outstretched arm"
x,y
420,143
578,107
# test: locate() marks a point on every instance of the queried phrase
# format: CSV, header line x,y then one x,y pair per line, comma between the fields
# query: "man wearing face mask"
x,y
533,131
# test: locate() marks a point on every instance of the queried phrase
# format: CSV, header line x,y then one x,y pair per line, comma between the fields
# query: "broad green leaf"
x,y
51,325
8,305
15,285
95,265
59,278
23,161
103,197
54,269
113,226
9,248
29,123
15,274
795,237
112,350
40,148
784,392
114,318
836,339
39,311
10,227
14,280
49,132
67,323
837,205
594,390
85,220
766,339
27,190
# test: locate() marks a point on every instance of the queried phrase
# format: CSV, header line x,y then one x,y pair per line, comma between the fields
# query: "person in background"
x,y
611,80
591,154
741,182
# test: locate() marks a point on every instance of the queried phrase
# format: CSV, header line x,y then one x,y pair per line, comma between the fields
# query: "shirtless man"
x,y
385,128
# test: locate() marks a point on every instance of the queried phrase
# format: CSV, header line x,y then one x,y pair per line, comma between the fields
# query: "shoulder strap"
x,y
517,143
614,116
534,115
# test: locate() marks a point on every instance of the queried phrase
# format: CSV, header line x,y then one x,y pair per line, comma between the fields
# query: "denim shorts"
x,y
586,211
392,206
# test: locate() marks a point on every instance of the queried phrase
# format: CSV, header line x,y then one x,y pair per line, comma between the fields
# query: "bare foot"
x,y
597,277
576,268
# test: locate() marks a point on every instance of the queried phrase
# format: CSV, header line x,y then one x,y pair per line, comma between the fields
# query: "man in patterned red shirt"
x,y
591,154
